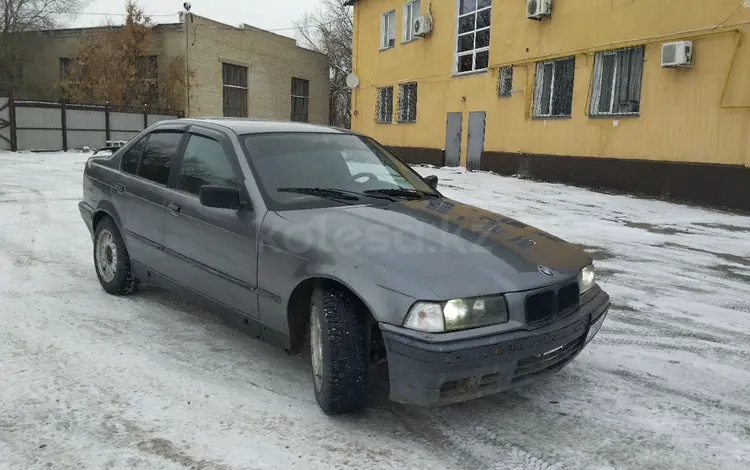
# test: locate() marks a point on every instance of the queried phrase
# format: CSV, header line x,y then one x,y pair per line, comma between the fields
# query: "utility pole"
x,y
187,58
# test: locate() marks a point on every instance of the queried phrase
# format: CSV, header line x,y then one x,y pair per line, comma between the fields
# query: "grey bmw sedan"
x,y
320,240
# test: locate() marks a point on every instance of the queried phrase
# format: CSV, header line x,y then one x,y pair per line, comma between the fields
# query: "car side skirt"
x,y
247,325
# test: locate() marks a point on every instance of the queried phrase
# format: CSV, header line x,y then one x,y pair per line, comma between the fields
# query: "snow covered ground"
x,y
93,381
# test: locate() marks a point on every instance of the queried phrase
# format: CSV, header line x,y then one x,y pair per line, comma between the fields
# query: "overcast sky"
x,y
274,14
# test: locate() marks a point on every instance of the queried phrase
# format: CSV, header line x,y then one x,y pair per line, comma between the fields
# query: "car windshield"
x,y
298,170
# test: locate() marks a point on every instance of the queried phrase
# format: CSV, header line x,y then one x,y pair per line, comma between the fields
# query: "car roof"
x,y
257,126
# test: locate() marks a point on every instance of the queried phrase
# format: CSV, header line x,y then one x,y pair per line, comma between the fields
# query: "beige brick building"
x,y
237,71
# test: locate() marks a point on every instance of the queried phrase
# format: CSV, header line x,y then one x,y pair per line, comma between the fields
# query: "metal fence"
x,y
44,125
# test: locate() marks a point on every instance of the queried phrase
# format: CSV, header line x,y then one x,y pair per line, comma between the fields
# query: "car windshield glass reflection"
x,y
319,165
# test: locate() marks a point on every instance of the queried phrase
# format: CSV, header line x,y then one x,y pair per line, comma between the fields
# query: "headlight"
x,y
457,314
586,279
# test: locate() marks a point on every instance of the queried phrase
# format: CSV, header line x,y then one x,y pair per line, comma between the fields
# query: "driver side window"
x,y
206,163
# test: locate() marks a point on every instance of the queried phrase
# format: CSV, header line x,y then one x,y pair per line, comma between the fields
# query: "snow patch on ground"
x,y
95,381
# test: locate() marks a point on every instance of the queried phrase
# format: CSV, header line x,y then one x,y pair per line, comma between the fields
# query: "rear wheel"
x,y
338,351
112,261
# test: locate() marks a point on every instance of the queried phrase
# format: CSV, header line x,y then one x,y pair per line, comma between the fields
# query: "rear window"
x,y
156,161
130,159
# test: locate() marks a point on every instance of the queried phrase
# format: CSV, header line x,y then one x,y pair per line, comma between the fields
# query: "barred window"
x,y
300,99
407,102
616,89
234,86
553,94
473,48
385,104
505,82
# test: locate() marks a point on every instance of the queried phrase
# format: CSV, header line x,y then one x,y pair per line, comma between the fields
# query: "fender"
x,y
105,206
368,287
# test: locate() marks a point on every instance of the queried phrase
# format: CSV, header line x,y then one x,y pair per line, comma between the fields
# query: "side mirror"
x,y
220,197
432,180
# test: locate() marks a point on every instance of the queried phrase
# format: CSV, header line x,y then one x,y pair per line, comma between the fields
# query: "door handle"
x,y
174,209
120,188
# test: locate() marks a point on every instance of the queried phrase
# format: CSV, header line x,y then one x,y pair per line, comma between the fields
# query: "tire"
x,y
111,260
338,346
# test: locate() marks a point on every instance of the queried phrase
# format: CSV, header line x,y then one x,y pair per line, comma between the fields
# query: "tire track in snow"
x,y
477,449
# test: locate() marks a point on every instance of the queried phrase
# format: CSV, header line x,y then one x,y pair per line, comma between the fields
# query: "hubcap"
x,y
316,348
106,255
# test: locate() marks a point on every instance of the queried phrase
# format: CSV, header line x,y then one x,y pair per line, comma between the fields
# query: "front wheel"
x,y
338,351
112,261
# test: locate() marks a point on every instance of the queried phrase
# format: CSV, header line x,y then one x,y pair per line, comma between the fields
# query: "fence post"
x,y
145,116
106,122
64,121
13,126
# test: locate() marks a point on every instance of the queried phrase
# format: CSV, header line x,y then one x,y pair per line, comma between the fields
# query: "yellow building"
x,y
645,96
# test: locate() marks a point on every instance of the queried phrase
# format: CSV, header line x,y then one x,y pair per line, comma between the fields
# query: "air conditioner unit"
x,y
677,54
538,9
422,26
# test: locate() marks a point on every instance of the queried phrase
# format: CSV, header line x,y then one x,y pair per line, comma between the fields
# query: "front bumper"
x,y
433,373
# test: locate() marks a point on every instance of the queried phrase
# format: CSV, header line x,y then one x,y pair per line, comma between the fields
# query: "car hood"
x,y
452,249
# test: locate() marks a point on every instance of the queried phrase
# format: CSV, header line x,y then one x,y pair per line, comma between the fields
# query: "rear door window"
x,y
156,161
130,160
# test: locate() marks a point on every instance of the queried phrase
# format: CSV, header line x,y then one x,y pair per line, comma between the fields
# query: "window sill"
x,y
409,40
383,122
550,118
383,49
467,74
407,122
614,116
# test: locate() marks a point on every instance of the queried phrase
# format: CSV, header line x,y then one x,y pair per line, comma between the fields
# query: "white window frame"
x,y
387,29
539,84
596,84
408,16
473,52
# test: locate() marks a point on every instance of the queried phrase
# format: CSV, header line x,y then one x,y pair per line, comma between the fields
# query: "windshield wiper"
x,y
333,193
402,193
322,192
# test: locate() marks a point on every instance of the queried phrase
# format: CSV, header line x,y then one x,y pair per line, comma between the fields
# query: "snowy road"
x,y
94,381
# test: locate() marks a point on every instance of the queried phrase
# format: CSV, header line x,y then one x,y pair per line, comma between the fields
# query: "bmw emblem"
x,y
545,270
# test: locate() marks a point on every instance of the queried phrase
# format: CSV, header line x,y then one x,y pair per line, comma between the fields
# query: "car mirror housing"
x,y
220,197
432,180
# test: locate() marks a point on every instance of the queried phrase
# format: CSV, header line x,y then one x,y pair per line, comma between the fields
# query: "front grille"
x,y
568,298
542,363
540,307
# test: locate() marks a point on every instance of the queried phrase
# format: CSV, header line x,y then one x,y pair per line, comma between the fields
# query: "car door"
x,y
139,195
209,250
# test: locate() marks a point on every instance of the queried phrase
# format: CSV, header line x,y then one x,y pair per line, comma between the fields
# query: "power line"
x,y
105,14
229,28
273,30
728,18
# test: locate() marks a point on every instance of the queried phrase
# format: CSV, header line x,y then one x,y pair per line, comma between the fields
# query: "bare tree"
x,y
112,64
329,30
19,16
